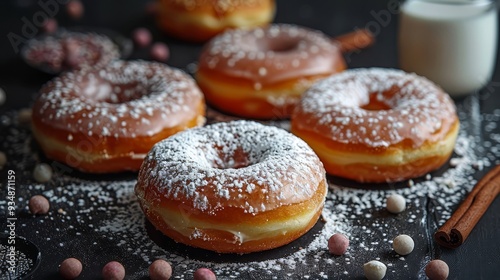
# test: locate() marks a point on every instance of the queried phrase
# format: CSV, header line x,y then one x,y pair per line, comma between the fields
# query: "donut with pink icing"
x,y
377,125
261,73
68,50
235,187
106,120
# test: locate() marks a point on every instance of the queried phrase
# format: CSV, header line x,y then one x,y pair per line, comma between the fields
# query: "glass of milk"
x,y
451,42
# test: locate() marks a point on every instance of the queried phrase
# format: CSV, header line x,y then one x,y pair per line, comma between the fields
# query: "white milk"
x,y
453,43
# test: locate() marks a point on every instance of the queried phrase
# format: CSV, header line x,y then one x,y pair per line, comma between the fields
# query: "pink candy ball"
x,y
160,270
70,268
50,25
75,9
38,204
204,274
159,52
142,37
338,244
437,270
113,271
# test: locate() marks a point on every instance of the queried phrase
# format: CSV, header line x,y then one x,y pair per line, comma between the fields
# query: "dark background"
x,y
478,258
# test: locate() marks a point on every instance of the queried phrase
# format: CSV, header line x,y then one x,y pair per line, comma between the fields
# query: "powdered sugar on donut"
x,y
280,169
271,54
124,99
418,111
67,50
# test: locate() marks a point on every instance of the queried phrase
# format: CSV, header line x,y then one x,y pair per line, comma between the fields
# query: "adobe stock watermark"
x,y
10,255
30,27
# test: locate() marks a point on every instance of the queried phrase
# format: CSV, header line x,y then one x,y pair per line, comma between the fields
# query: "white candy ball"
x,y
396,203
42,173
403,244
374,270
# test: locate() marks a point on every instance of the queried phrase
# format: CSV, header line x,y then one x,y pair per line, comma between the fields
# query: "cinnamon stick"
x,y
356,40
456,230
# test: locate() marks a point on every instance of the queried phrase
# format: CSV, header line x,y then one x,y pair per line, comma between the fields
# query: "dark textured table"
x,y
96,218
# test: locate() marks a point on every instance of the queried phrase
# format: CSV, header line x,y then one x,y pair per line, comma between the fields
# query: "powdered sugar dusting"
x,y
419,110
272,54
67,50
124,99
229,162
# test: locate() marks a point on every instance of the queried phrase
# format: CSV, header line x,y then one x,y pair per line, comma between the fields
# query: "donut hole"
x,y
282,45
380,101
375,104
235,160
100,90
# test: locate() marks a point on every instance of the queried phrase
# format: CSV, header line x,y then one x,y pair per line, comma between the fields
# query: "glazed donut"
x,y
377,125
261,73
106,120
235,187
66,51
200,20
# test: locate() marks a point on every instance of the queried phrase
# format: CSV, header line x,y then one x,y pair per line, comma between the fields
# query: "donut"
x,y
235,187
200,20
261,73
67,50
377,125
106,120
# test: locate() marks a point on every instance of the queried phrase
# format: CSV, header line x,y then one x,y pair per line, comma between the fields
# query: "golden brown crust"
x,y
200,20
85,153
220,240
367,165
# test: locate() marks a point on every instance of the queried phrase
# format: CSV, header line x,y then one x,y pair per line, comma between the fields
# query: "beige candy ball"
x,y
396,203
403,244
374,270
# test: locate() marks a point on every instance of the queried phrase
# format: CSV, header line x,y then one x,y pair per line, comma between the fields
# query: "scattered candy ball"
x,y
3,160
49,26
159,52
142,37
42,173
70,268
113,271
204,274
338,244
396,203
437,270
403,244
38,204
160,270
3,96
374,270
75,9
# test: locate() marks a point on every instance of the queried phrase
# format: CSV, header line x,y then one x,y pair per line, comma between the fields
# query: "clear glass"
x,y
451,42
